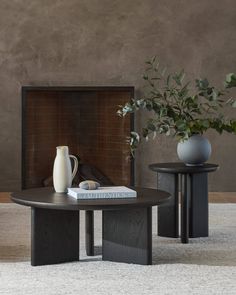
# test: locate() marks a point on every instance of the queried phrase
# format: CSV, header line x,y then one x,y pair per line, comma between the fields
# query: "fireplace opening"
x,y
84,119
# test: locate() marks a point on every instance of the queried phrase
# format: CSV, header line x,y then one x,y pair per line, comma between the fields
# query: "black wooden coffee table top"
x,y
49,199
179,167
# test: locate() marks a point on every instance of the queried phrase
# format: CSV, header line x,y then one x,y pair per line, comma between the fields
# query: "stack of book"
x,y
106,192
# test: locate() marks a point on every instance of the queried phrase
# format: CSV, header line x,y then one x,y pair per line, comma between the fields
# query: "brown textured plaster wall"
x,y
104,42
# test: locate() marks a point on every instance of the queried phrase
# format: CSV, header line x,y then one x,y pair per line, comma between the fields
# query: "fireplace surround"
x,y
83,118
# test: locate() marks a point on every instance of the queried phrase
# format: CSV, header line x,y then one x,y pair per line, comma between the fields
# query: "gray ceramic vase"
x,y
194,151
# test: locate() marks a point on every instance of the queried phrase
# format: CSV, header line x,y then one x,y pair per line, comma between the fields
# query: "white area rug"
x,y
204,266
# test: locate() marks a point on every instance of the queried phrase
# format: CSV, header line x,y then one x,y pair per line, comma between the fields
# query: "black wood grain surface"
x,y
54,236
49,199
127,236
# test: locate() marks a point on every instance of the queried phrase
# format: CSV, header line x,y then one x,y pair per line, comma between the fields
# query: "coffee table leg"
x,y
54,236
89,229
198,219
168,214
127,236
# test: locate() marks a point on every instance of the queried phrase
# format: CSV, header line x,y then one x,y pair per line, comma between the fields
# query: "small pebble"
x,y
89,185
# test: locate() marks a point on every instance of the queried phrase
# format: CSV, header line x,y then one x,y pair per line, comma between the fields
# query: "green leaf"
x,y
156,67
230,80
234,104
140,103
181,76
145,132
205,124
151,126
153,59
181,125
176,78
168,80
163,112
202,84
149,105
214,95
163,72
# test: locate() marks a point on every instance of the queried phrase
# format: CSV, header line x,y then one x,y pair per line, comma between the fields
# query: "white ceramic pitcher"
x,y
62,170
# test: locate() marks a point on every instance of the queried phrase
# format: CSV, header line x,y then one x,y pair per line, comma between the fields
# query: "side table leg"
x,y
54,236
89,232
185,196
198,223
168,214
127,236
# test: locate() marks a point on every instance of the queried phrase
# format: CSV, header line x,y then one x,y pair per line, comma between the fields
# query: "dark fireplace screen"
x,y
84,119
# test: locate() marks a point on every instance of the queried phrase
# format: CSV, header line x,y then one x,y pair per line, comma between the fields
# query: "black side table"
x,y
192,182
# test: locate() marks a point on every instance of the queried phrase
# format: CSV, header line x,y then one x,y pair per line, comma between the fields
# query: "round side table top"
x,y
47,198
179,167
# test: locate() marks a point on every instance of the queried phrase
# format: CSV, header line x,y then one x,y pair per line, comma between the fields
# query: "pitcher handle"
x,y
76,164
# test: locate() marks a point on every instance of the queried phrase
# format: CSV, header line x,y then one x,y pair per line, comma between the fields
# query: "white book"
x,y
106,192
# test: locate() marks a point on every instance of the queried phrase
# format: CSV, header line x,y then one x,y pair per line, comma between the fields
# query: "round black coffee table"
x,y
127,225
192,182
